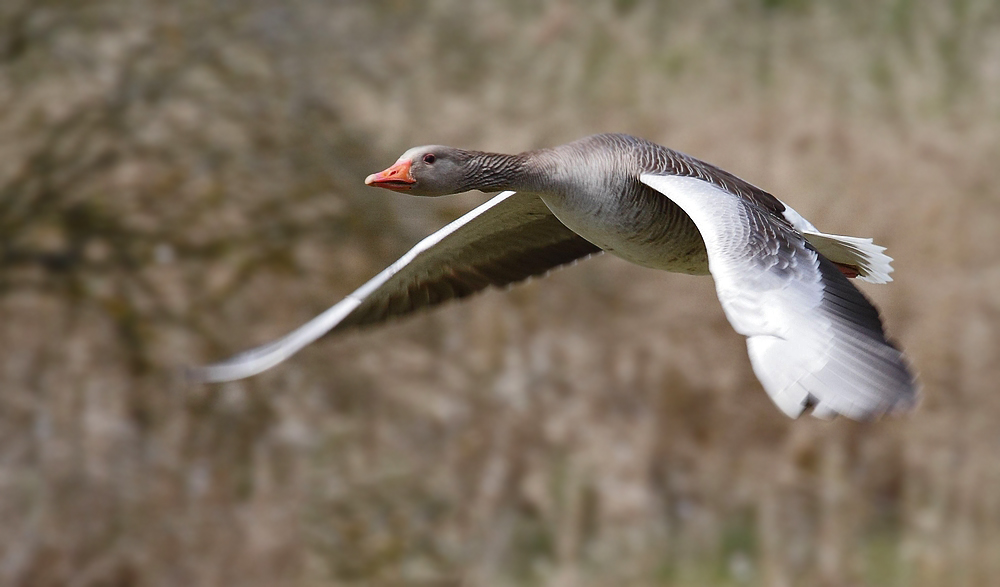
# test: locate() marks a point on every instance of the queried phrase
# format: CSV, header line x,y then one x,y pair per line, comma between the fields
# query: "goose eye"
x,y
429,158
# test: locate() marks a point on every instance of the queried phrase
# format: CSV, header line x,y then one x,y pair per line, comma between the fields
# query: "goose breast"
x,y
601,199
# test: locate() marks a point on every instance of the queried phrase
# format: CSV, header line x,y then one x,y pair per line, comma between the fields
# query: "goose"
x,y
815,342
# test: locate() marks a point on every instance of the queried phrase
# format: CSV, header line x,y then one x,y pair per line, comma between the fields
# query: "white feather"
x,y
874,266
804,350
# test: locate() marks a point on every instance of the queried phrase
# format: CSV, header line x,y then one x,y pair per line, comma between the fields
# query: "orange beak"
x,y
396,178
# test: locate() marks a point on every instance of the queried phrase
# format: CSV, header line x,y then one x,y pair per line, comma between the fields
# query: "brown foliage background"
x,y
180,180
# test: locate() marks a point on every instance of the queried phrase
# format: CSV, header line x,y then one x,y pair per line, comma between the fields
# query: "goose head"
x,y
431,170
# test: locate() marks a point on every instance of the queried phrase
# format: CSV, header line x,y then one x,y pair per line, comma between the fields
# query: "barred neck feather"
x,y
495,172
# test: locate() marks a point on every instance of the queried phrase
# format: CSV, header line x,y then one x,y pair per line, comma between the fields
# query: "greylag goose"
x,y
814,340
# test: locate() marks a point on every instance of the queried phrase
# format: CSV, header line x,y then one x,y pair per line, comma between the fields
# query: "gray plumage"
x,y
813,338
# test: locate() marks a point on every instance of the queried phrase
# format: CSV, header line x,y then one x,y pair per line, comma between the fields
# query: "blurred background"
x,y
183,179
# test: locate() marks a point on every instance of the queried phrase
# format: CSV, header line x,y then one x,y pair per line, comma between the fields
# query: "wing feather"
x,y
508,239
813,338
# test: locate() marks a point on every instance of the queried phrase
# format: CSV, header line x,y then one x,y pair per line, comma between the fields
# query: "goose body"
x,y
602,199
813,339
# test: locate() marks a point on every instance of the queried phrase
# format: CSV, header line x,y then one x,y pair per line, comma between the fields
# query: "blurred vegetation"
x,y
180,180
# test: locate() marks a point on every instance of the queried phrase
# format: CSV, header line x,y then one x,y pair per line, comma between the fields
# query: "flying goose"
x,y
814,340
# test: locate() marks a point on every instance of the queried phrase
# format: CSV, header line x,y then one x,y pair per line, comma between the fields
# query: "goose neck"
x,y
493,172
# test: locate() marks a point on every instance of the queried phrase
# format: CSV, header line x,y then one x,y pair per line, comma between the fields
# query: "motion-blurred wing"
x,y
813,338
508,239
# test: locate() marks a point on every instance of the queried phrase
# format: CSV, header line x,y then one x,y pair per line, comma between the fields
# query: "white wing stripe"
x,y
365,290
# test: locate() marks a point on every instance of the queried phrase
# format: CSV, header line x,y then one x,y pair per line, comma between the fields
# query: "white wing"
x,y
813,338
508,239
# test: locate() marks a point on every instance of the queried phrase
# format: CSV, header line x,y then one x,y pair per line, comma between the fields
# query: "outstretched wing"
x,y
508,239
813,338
